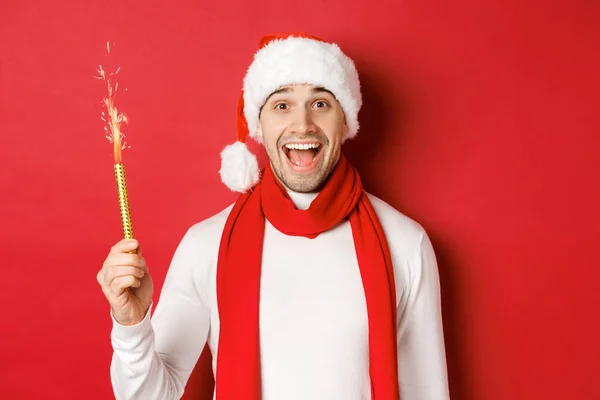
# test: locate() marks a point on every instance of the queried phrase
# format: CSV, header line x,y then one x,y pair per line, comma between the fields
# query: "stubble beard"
x,y
301,183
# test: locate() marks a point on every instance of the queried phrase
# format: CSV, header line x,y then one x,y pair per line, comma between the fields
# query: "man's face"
x,y
302,128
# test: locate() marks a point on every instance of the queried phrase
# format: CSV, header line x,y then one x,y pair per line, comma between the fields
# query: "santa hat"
x,y
294,58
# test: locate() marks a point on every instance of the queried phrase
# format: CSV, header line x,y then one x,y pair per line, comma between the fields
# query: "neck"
x,y
301,200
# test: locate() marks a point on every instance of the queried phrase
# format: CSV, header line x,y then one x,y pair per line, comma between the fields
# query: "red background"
x,y
480,122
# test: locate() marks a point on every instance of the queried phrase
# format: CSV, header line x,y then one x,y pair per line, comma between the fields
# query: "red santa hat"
x,y
294,58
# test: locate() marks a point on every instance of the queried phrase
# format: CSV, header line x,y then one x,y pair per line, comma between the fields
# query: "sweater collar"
x,y
302,200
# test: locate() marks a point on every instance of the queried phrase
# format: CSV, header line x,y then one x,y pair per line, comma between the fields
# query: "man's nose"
x,y
302,122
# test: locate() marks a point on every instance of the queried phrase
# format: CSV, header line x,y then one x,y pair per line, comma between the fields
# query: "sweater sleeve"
x,y
154,359
422,372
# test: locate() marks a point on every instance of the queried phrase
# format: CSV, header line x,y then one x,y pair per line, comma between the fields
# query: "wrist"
x,y
130,320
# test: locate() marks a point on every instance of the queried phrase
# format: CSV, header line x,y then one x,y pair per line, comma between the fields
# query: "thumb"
x,y
130,243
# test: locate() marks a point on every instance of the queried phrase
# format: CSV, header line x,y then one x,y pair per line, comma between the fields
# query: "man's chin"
x,y
298,180
303,182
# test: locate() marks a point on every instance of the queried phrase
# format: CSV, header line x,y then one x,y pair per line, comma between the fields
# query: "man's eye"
x,y
321,104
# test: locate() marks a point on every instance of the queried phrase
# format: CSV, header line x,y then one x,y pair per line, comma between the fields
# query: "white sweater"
x,y
313,316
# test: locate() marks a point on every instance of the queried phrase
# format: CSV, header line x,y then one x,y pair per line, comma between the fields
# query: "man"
x,y
307,287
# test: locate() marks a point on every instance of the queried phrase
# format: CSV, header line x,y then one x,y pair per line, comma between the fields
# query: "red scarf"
x,y
239,266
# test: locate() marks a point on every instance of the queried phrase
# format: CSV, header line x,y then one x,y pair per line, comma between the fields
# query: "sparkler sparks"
x,y
112,130
112,117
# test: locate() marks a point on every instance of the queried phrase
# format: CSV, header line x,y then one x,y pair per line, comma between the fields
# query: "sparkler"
x,y
113,119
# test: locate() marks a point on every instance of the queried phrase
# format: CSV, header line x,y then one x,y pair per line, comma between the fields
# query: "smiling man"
x,y
307,287
302,126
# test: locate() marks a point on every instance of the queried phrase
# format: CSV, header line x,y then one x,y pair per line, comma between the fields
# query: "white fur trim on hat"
x,y
298,60
239,168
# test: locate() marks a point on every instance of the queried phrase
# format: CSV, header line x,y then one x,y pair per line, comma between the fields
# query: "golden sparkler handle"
x,y
123,201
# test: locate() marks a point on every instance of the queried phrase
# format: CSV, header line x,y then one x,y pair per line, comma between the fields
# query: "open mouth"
x,y
303,157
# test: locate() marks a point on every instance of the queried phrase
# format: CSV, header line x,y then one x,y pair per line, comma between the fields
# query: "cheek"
x,y
335,130
271,132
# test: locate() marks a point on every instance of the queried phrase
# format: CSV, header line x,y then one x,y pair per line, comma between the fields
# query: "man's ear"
x,y
259,132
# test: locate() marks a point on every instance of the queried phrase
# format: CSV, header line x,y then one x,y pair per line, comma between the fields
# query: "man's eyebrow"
x,y
320,89
315,90
282,90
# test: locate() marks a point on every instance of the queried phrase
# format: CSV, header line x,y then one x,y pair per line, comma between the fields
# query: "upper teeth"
x,y
298,146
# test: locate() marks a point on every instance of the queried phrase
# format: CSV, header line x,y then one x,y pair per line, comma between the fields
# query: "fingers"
x,y
119,271
108,275
120,284
126,259
117,279
125,246
121,268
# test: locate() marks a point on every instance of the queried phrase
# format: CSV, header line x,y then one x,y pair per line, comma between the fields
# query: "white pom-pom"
x,y
239,168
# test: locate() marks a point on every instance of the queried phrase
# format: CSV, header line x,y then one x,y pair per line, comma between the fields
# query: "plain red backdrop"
x,y
480,122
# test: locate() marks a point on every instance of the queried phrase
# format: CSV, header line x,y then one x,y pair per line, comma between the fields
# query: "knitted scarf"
x,y
239,269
